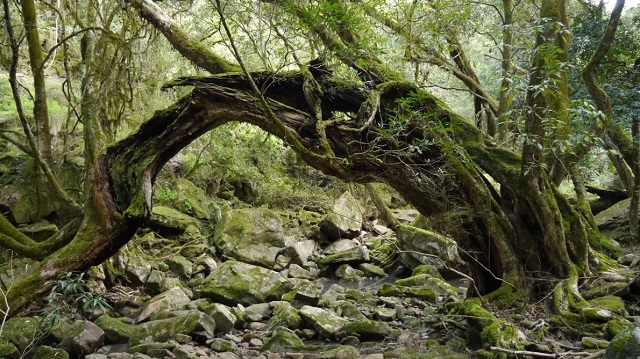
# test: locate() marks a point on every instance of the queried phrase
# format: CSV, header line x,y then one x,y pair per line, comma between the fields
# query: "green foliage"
x,y
167,195
70,298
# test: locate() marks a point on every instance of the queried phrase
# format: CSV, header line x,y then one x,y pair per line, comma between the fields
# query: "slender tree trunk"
x,y
634,211
504,100
40,108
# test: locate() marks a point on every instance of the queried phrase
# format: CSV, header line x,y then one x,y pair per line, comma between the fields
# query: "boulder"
x,y
192,322
20,331
613,222
47,352
189,199
172,221
115,330
284,315
301,252
8,350
371,270
341,352
344,220
40,230
325,322
181,266
626,344
340,245
173,299
222,315
347,272
14,271
137,270
368,330
383,250
295,271
235,282
357,254
252,235
79,338
305,290
282,340
419,246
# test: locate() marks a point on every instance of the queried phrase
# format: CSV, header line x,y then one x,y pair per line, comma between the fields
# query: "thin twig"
x,y
549,355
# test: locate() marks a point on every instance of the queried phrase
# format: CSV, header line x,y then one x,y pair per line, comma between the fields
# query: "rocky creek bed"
x,y
263,284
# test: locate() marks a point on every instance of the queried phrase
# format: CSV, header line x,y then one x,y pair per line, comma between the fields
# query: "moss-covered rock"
x,y
47,352
384,250
235,282
344,220
115,330
368,330
488,328
626,344
594,343
419,246
79,338
614,222
357,254
180,266
189,199
173,299
390,290
341,352
252,235
8,350
282,340
223,316
169,219
21,331
195,323
285,315
325,322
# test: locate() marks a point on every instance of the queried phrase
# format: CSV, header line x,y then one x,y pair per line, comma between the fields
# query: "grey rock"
x,y
154,282
116,331
340,245
301,252
173,220
173,299
345,271
326,322
195,323
235,282
252,235
80,338
357,254
344,220
181,266
420,246
626,344
222,315
295,271
307,290
334,293
282,340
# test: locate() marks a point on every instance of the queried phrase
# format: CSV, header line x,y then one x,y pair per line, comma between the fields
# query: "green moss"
x,y
283,340
341,352
286,316
47,352
604,244
8,350
611,303
615,326
493,331
116,331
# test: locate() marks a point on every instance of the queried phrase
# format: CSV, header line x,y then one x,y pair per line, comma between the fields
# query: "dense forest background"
x,y
497,116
